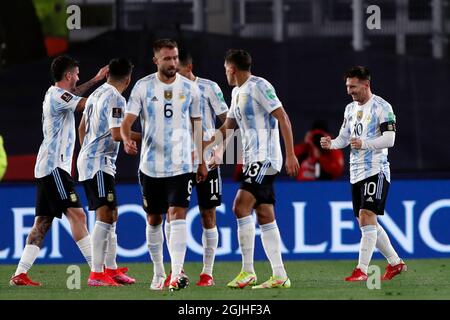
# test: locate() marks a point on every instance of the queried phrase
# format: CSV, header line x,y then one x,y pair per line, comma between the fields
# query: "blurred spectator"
x,y
315,162
3,159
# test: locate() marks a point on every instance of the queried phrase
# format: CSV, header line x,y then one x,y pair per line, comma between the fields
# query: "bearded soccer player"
x,y
169,108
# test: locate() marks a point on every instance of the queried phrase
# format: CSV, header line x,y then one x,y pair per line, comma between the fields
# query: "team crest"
x,y
168,94
110,197
73,197
359,115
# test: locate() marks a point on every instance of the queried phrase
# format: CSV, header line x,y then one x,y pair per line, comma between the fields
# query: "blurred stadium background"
x,y
302,47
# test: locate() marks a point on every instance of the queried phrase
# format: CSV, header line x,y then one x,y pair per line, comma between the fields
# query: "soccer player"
x,y
209,193
100,138
369,128
56,192
257,110
169,108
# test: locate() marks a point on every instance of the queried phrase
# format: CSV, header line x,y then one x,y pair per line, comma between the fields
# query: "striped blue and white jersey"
x,y
58,127
104,110
251,105
363,121
212,104
165,111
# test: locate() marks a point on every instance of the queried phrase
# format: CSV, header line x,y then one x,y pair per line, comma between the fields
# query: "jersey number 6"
x,y
168,112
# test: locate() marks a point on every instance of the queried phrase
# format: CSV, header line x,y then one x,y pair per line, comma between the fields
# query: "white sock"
x,y
246,237
167,232
111,251
155,240
177,245
270,236
210,240
86,249
29,255
367,245
99,240
385,247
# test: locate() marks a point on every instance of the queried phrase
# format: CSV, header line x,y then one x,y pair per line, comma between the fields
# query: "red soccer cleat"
x,y
122,270
167,281
119,276
205,280
101,279
392,271
23,280
357,275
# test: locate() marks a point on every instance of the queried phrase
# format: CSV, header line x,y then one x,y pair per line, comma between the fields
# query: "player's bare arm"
x,y
81,104
202,171
291,163
219,139
129,144
82,130
82,88
115,133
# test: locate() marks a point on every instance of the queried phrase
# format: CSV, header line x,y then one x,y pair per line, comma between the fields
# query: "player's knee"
x,y
154,219
208,218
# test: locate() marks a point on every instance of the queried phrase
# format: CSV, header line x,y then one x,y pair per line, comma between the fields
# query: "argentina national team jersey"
x,y
104,110
251,105
363,121
165,111
58,127
212,104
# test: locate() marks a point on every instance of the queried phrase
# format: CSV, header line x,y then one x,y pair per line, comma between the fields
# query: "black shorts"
x,y
258,178
158,194
100,191
370,194
55,193
209,192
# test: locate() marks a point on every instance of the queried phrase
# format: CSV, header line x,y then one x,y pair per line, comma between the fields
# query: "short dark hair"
x,y
240,58
120,68
164,43
60,65
360,72
185,57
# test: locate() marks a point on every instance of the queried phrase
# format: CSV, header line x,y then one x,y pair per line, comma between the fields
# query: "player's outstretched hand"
x,y
102,73
202,173
325,142
292,165
130,147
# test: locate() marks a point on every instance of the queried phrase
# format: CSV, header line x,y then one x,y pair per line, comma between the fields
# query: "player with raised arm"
x,y
56,192
369,128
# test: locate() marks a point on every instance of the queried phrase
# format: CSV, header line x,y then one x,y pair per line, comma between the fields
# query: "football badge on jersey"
x,y
117,113
66,97
73,197
168,94
359,115
110,197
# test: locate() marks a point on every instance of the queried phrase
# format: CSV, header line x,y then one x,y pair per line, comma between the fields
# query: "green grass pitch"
x,y
319,280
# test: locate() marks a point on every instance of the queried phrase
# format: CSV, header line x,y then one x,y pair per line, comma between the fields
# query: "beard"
x,y
169,73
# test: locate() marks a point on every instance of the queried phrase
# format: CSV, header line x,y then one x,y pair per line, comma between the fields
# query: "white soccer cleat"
x,y
158,282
